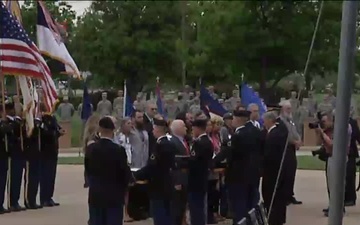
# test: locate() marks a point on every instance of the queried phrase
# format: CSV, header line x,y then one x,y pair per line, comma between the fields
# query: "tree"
x,y
132,40
264,40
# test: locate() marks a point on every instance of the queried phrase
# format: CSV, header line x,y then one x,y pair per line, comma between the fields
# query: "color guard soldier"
x,y
32,167
243,165
50,134
17,159
199,164
159,173
108,172
4,161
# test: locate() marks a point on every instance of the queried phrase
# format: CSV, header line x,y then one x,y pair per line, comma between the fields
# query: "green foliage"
x,y
213,40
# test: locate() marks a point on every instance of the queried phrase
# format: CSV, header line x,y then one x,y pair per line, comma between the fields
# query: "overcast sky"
x,y
78,6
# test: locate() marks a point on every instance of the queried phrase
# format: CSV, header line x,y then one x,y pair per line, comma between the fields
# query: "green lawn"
x,y
304,162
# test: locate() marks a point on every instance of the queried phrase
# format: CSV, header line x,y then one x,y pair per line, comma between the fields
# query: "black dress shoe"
x,y
294,201
17,208
54,203
46,204
349,203
3,210
33,206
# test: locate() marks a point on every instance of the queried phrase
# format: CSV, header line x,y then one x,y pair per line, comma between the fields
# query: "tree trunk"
x,y
183,38
262,84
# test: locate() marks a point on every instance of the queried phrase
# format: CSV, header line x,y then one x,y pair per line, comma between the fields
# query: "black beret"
x,y
242,113
160,123
228,116
107,123
199,123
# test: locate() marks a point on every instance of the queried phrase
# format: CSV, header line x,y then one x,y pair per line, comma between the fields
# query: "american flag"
x,y
20,56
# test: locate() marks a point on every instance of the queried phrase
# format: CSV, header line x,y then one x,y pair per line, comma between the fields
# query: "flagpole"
x,y
344,89
124,99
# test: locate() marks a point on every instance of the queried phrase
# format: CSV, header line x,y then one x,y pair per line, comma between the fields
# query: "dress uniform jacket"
x,y
273,152
243,155
108,173
14,140
32,143
159,170
50,137
199,164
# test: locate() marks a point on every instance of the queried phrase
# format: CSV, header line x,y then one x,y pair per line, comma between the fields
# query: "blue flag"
x,y
248,96
128,104
86,110
209,105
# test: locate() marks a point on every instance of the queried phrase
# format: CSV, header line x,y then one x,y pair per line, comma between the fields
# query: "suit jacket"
x,y
140,148
159,170
273,152
180,177
355,138
108,173
199,164
149,128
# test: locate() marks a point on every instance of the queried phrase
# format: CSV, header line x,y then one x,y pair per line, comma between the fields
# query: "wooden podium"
x,y
65,140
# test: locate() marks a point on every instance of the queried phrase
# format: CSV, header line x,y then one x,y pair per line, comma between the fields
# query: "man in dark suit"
x,y
243,165
108,174
150,112
350,192
159,174
274,150
178,131
200,161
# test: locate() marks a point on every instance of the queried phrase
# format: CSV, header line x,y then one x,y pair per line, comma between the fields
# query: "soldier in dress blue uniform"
x,y
159,173
17,158
199,164
108,174
243,165
50,133
4,161
32,167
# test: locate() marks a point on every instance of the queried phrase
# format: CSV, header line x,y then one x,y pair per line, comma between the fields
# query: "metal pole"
x,y
344,89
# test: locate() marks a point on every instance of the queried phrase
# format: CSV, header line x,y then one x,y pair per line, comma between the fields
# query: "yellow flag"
x,y
14,8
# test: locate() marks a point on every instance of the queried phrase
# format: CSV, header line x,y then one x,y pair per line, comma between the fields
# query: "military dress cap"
x,y
241,113
160,123
273,107
199,123
107,123
228,116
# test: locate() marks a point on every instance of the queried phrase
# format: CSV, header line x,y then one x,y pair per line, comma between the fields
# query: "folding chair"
x,y
253,220
242,222
262,214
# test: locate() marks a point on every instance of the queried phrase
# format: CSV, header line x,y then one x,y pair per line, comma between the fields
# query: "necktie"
x,y
186,147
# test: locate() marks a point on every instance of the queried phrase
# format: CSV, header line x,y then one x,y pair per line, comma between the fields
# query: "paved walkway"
x,y
310,188
65,155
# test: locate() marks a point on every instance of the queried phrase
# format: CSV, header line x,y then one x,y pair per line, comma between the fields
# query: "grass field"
x,y
304,162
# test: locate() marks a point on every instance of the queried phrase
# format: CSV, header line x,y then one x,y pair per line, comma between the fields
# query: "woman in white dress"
x,y
122,138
